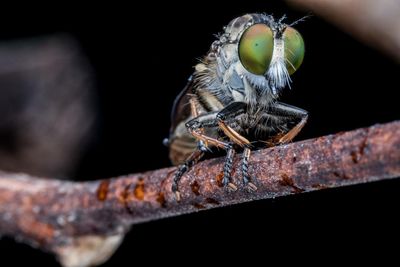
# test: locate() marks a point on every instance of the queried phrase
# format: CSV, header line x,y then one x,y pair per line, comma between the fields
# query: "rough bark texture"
x,y
84,222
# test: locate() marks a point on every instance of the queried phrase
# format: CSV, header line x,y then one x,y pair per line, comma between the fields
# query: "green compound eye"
x,y
255,48
294,49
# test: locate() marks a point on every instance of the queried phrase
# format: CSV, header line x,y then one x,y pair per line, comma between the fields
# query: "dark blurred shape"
x,y
46,105
374,22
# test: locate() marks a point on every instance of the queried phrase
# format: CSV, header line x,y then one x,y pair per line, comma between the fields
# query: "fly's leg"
x,y
231,112
282,112
226,180
293,132
245,170
241,141
195,113
193,159
196,127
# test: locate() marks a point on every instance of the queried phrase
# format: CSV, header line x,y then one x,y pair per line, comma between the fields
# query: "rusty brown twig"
x,y
83,222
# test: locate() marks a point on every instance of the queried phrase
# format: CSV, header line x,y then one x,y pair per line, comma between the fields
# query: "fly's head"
x,y
261,51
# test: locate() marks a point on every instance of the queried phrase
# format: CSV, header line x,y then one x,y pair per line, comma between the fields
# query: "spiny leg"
x,y
245,170
242,141
293,132
284,112
193,159
280,110
195,113
196,128
231,112
226,180
195,156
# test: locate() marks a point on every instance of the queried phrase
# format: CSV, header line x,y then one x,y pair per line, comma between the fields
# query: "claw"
x,y
251,187
177,196
225,181
232,186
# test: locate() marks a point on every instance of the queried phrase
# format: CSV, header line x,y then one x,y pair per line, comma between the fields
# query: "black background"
x,y
142,56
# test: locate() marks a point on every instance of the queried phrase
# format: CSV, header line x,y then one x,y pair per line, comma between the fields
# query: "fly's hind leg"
x,y
196,128
193,158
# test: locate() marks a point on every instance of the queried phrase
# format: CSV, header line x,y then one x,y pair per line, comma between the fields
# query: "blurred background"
x,y
86,93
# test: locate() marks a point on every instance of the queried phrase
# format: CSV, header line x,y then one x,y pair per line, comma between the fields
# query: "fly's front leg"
x,y
293,132
196,128
284,112
231,112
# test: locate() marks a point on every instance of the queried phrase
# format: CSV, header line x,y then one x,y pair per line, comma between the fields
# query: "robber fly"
x,y
231,99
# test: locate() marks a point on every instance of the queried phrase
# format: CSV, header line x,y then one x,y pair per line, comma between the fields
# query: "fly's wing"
x,y
181,107
181,142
